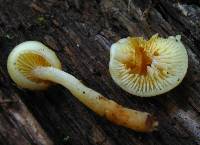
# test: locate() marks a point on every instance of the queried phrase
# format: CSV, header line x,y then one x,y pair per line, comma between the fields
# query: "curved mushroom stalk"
x,y
136,120
33,66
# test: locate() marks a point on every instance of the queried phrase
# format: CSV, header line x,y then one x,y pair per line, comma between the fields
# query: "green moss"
x,y
9,36
66,139
40,20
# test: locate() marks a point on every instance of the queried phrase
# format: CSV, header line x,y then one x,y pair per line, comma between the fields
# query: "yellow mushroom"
x,y
148,67
33,66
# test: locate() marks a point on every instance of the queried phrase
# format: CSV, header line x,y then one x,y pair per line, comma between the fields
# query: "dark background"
x,y
81,33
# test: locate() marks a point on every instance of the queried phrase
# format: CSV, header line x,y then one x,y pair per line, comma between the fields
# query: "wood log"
x,y
81,33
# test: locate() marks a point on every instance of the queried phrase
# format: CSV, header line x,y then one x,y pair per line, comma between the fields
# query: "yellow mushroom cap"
x,y
148,67
27,56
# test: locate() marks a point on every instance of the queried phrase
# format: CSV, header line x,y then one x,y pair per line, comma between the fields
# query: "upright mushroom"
x,y
33,66
148,68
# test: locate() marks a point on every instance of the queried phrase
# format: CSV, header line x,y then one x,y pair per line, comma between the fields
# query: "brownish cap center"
x,y
138,63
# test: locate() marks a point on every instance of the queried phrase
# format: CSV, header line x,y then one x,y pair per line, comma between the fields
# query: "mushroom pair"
x,y
33,66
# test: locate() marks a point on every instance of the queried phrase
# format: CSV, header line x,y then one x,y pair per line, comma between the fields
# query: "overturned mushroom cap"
x,y
21,62
148,68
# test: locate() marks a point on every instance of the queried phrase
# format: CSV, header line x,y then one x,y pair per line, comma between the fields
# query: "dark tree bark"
x,y
81,33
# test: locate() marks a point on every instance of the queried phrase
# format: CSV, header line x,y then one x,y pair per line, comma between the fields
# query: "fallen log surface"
x,y
81,33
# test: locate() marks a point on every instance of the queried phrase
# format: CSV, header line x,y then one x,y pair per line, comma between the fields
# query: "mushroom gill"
x,y
27,62
148,67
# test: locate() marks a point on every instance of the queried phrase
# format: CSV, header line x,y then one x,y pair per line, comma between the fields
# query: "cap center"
x,y
139,62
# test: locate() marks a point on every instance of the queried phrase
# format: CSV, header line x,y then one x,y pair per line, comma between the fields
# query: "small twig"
x,y
147,10
129,5
77,4
6,101
37,8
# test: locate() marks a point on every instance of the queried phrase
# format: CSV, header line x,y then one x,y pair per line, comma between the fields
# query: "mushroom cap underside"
x,y
148,67
27,56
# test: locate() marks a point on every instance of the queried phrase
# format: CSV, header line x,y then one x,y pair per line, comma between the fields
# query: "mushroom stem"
x,y
136,120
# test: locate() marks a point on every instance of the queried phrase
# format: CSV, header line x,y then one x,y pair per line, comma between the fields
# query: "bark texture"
x,y
81,33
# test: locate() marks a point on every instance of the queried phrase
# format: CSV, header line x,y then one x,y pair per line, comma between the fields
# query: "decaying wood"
x,y
18,115
81,33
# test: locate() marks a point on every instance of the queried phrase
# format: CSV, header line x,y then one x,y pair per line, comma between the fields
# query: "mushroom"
x,y
33,66
148,67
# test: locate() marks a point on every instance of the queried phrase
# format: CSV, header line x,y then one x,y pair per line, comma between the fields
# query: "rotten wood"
x,y
81,33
